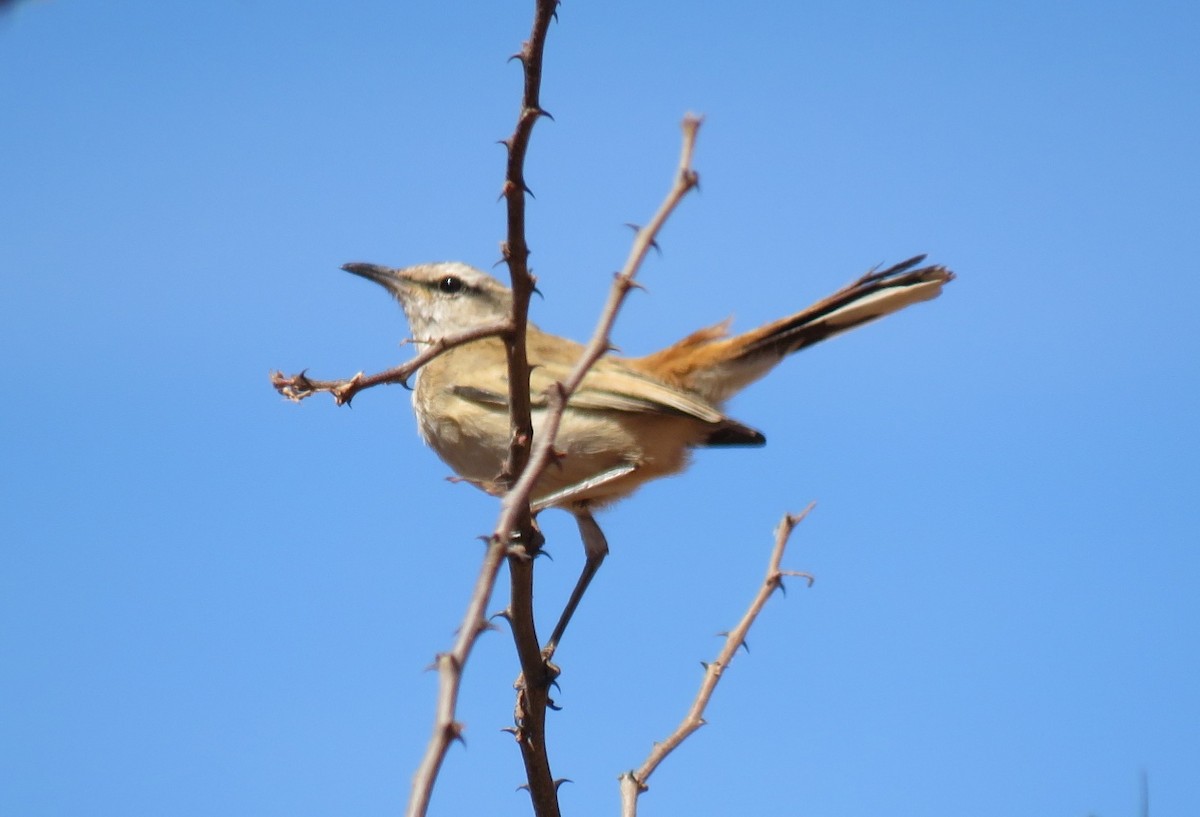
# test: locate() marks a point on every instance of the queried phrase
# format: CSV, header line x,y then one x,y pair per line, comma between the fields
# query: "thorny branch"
x,y
536,672
514,533
297,387
685,180
515,530
518,533
515,250
532,696
633,783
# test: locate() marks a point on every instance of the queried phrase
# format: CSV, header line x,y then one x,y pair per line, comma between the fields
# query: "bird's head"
x,y
442,298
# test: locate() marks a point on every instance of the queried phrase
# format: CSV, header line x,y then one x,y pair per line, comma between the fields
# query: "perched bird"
x,y
632,419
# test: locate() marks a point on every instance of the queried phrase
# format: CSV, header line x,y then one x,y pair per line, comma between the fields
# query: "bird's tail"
x,y
715,366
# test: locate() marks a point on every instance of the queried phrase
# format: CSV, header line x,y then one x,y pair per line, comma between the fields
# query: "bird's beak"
x,y
384,276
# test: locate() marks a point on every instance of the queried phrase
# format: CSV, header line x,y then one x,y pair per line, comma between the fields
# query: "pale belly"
x,y
472,439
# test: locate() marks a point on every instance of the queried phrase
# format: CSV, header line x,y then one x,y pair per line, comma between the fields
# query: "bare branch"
x,y
297,387
518,528
543,450
514,533
515,249
633,783
450,666
536,670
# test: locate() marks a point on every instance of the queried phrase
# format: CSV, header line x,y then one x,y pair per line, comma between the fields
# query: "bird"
x,y
632,419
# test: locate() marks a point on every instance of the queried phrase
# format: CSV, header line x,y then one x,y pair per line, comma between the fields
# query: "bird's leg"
x,y
568,495
595,548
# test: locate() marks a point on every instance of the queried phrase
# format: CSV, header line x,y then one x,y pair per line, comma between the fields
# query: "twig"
x,y
543,449
515,249
450,666
514,534
297,387
536,672
519,532
533,693
633,783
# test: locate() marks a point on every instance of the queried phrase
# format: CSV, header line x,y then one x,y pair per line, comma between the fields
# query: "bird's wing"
x,y
614,387
609,386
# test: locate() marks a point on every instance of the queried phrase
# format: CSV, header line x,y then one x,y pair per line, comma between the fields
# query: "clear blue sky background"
x,y
216,602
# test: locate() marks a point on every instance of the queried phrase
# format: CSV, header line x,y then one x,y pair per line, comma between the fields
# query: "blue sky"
x,y
216,602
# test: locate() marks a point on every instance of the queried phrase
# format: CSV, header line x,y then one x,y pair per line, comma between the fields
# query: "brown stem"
x,y
514,534
516,520
633,783
450,667
297,387
515,249
536,673
685,180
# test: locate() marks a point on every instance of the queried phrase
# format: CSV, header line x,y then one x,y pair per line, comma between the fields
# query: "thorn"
x,y
635,227
637,781
520,553
525,187
456,730
705,665
628,283
519,57
562,780
800,574
505,614
524,786
550,703
512,730
745,645
542,112
538,293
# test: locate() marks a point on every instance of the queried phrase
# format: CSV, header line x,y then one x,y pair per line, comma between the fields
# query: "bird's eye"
x,y
450,285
